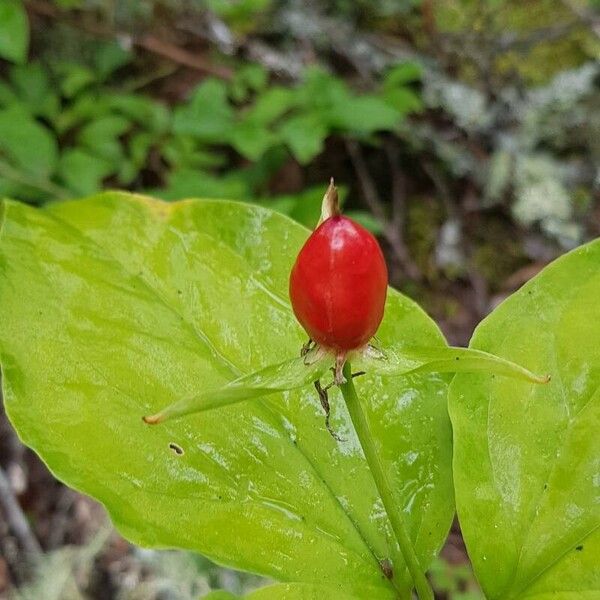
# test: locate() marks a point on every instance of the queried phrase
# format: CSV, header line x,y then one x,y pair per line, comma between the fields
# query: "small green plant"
x,y
133,304
69,127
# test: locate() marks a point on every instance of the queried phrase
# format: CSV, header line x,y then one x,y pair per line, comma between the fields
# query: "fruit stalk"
x,y
394,512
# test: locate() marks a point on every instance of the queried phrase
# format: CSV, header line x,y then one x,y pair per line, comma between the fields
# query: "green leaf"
x,y
35,92
364,114
14,31
7,95
190,183
134,303
305,135
139,146
270,105
15,184
88,106
403,100
251,139
288,375
183,152
29,145
82,172
101,137
74,78
322,90
300,591
151,115
402,73
419,359
208,115
251,77
109,57
526,463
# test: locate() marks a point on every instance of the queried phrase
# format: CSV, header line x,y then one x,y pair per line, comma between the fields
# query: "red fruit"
x,y
338,285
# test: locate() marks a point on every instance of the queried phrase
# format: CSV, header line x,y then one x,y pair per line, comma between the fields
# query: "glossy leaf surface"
x,y
117,305
527,457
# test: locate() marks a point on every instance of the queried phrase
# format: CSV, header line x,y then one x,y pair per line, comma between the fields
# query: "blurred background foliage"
x,y
464,133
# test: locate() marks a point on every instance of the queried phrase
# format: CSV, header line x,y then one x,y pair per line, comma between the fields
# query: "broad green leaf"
x,y
151,115
32,84
88,106
322,90
7,95
15,184
402,73
14,31
364,114
110,56
527,457
270,105
28,145
139,146
101,137
208,115
300,591
251,139
250,77
82,172
187,183
183,152
403,100
74,78
132,304
304,135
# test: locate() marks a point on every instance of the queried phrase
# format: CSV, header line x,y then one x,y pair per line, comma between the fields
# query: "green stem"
x,y
361,425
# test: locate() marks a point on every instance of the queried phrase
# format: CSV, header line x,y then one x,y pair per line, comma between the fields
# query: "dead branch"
x,y
150,43
391,233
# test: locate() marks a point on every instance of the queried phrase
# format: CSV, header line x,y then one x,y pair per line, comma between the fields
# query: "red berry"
x,y
338,285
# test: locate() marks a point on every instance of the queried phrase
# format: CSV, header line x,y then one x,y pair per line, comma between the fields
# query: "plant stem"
x,y
361,426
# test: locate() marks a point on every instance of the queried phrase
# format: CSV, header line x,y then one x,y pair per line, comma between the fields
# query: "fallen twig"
x,y
399,208
391,233
148,42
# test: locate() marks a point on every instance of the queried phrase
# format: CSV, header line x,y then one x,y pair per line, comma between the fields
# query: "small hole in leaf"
x,y
176,448
579,548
